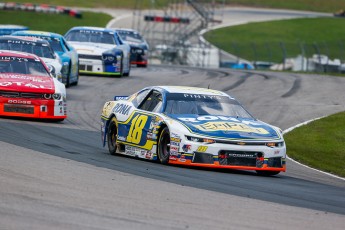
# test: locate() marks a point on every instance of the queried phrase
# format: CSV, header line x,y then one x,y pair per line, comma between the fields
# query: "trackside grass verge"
x,y
272,41
320,144
57,23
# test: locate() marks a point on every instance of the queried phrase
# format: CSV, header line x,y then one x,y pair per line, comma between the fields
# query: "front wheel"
x,y
111,136
164,146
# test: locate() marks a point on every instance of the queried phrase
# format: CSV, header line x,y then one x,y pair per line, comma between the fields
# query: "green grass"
x,y
320,144
101,3
52,22
265,41
309,5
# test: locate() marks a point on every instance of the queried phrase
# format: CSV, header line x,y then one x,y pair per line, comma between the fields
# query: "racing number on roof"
x,y
136,129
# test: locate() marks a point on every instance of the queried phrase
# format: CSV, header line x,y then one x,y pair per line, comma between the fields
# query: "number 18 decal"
x,y
136,129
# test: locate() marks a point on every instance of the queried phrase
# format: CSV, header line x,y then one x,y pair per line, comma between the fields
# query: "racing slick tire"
x,y
129,70
68,83
164,146
267,173
111,136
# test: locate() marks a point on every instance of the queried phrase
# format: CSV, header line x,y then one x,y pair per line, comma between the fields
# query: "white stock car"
x,y
191,126
101,51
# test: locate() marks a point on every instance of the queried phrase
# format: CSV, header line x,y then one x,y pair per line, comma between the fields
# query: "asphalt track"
x,y
58,176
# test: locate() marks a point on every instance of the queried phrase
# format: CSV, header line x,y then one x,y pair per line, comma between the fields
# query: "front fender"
x,y
107,115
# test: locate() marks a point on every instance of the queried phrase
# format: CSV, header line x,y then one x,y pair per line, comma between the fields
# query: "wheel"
x,y
141,65
129,70
267,173
164,146
111,136
68,84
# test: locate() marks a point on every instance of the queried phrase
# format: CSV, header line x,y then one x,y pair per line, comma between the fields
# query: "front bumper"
x,y
98,67
28,108
218,155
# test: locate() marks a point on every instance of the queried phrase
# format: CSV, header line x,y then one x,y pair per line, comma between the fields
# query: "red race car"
x,y
28,89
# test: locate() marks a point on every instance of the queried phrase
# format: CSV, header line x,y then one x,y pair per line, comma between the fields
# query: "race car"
x,y
101,51
35,46
139,46
191,126
27,89
66,52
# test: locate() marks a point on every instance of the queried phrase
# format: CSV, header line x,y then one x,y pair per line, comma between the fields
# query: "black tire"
x,y
129,70
163,152
68,83
267,173
111,136
141,65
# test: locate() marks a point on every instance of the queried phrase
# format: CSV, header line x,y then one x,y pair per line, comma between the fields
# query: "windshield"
x,y
130,36
41,50
179,103
22,66
91,36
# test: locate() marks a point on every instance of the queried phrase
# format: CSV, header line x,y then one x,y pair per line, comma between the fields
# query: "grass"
x,y
266,41
101,3
308,5
53,22
320,144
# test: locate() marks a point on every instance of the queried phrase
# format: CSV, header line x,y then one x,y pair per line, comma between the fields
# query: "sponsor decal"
x,y
91,31
173,158
174,143
230,126
23,77
148,155
201,96
202,149
129,150
21,42
175,139
121,138
186,148
30,85
173,150
122,108
19,102
10,58
108,108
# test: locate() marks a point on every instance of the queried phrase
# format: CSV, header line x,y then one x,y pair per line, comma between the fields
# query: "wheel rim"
x,y
112,134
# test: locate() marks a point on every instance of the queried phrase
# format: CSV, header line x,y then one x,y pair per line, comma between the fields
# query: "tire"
x,y
129,70
111,136
68,83
163,152
141,66
267,173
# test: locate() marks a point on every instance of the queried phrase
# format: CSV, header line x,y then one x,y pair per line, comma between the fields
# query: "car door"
x,y
138,128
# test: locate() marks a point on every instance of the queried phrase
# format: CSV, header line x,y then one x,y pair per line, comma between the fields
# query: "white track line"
x,y
299,125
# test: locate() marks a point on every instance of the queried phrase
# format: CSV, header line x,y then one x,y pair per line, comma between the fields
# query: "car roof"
x,y
18,54
21,38
192,90
37,33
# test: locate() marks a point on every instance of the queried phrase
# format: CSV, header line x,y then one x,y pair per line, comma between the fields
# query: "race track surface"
x,y
58,176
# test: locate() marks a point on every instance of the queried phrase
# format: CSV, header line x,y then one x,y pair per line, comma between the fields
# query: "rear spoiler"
x,y
120,98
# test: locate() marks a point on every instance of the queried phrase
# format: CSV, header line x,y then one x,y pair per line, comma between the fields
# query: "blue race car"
x,y
101,51
68,55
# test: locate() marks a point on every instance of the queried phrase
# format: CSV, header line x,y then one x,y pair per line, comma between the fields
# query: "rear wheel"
x,y
267,173
111,136
68,84
164,146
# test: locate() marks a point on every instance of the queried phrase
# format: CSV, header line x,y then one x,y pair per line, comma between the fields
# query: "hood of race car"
x,y
26,83
224,127
91,48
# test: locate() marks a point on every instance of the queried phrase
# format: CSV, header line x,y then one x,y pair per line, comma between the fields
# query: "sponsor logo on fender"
x,y
19,102
122,108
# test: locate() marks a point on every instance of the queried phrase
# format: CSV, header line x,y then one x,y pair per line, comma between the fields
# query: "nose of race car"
x,y
25,83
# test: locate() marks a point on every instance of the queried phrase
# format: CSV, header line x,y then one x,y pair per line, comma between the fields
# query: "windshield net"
x,y
22,66
179,103
91,36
